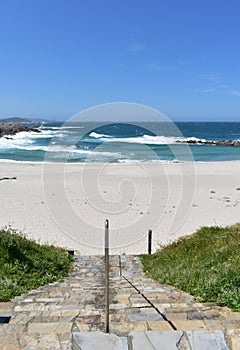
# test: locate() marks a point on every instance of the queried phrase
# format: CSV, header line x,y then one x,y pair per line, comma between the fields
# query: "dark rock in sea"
x,y
231,143
13,129
8,178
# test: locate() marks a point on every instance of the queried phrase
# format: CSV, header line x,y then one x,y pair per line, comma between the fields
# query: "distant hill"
x,y
15,120
18,120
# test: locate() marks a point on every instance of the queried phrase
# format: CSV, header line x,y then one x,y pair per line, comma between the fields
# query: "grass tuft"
x,y
205,264
26,265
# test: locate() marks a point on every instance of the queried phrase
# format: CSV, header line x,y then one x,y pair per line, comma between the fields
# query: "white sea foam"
x,y
24,138
49,127
145,139
95,135
45,134
193,139
24,141
71,127
17,161
152,161
14,141
64,150
80,151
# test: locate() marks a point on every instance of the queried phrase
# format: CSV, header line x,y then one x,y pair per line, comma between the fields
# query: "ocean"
x,y
122,142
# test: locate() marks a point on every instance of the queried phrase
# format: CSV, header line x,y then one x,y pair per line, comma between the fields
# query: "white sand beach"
x,y
66,205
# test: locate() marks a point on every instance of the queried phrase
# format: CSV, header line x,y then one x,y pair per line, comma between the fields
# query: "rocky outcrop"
x,y
13,129
216,143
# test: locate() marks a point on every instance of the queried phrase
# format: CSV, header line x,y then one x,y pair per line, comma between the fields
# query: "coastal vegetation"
x,y
205,264
26,265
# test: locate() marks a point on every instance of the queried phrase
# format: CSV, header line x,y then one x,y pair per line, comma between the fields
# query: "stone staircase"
x,y
143,314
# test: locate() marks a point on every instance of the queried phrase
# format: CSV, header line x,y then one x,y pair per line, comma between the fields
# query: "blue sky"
x,y
59,57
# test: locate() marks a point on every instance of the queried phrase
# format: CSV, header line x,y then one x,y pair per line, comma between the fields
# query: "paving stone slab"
x,y
46,328
158,326
233,336
98,341
155,340
143,317
77,305
126,327
207,340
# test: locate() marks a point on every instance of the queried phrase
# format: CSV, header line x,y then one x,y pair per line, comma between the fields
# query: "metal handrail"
x,y
107,276
107,270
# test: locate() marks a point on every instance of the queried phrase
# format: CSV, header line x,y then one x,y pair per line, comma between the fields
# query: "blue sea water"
x,y
122,142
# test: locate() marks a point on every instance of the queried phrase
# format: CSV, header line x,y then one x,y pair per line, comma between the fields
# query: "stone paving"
x,y
143,313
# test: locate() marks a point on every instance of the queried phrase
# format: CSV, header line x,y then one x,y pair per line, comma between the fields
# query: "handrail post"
x,y
149,241
107,276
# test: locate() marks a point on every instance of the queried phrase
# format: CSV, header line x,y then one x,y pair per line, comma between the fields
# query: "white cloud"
x,y
120,65
159,67
192,61
204,90
136,47
210,77
236,93
154,65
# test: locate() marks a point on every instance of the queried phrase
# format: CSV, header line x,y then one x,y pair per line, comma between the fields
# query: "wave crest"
x,y
145,139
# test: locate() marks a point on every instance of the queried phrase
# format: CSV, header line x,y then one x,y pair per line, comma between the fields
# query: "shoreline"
x,y
67,204
9,161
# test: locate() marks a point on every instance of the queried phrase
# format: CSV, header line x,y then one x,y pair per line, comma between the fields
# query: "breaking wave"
x,y
145,139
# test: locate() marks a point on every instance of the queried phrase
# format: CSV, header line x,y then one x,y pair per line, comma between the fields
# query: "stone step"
x,y
12,328
37,327
6,309
149,340
99,341
47,328
52,313
41,341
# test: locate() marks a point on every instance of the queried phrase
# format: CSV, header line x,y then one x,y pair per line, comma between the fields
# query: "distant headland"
x,y
15,120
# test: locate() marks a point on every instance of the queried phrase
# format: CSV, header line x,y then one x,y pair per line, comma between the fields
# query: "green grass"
x,y
26,265
205,264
